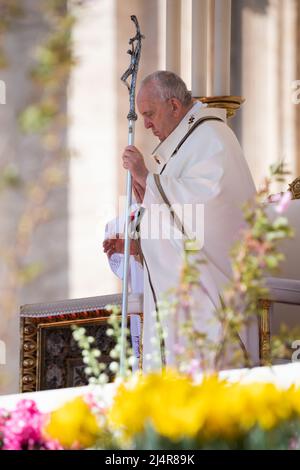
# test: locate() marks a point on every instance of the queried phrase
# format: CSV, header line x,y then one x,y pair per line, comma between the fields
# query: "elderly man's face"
x,y
159,116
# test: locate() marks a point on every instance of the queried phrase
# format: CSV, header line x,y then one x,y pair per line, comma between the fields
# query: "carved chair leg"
x,y
265,307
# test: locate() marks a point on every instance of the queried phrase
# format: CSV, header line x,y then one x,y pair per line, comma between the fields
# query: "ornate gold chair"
x,y
294,187
286,288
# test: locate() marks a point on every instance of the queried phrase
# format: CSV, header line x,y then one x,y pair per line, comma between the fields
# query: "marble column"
x,y
222,48
199,47
173,30
93,190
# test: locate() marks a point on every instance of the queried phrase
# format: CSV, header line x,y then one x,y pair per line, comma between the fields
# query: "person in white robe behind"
x,y
202,168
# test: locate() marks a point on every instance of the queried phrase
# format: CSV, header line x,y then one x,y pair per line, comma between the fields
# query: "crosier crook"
x,y
135,53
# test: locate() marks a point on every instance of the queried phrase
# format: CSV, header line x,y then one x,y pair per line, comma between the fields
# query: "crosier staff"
x,y
135,53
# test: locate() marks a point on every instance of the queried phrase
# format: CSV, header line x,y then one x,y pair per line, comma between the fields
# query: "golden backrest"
x,y
285,288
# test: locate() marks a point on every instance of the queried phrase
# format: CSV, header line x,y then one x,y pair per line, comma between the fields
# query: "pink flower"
x,y
193,367
275,197
284,202
178,349
21,429
95,405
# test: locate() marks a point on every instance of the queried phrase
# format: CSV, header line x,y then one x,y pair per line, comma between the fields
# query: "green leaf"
x,y
30,272
272,261
9,177
36,118
280,222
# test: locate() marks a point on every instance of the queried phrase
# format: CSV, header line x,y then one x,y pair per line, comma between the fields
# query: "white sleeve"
x,y
116,261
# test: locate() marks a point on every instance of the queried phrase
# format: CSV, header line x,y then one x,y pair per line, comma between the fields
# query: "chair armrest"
x,y
286,291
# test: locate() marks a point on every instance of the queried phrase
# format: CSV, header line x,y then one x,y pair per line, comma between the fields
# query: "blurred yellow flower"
x,y
178,408
73,425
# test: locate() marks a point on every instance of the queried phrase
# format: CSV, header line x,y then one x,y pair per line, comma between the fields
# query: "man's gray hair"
x,y
168,85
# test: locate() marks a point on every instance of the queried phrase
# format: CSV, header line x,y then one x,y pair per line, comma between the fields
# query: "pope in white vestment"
x,y
208,171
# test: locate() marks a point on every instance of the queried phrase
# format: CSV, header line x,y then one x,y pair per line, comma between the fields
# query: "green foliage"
x,y
96,370
29,272
10,10
37,118
282,343
286,436
9,177
115,331
54,62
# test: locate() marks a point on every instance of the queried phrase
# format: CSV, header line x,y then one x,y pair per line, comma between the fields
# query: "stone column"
x,y
173,35
93,188
186,42
199,47
148,14
297,77
222,48
287,73
267,124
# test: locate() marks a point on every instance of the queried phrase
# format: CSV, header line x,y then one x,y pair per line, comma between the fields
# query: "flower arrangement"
x,y
163,411
78,424
171,411
22,429
74,425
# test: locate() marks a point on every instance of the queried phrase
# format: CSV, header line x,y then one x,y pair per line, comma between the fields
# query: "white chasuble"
x,y
206,181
